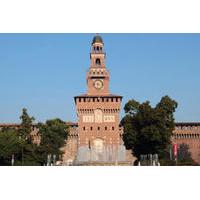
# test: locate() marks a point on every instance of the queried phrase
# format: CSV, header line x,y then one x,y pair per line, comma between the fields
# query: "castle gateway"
x,y
99,134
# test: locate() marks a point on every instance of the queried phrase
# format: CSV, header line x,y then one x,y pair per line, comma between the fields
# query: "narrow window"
x,y
98,128
113,128
106,128
91,128
98,62
84,128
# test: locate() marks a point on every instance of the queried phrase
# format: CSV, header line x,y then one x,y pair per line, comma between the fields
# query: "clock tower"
x,y
99,134
98,75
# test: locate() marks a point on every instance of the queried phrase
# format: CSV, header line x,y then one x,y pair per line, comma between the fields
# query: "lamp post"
x,y
13,160
54,160
49,160
22,150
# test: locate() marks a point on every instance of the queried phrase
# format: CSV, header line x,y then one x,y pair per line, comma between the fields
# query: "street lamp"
x,y
22,150
48,159
54,160
13,160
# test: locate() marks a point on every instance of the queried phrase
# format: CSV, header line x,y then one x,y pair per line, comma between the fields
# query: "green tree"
x,y
183,152
9,145
54,134
148,130
28,149
184,155
26,126
19,143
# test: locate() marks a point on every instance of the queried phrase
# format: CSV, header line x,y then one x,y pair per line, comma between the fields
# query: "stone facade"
x,y
188,133
73,144
71,147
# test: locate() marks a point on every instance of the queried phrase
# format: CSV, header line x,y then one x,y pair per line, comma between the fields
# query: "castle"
x,y
96,139
98,136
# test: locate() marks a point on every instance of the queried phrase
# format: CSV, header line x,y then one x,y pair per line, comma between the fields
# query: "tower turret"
x,y
98,76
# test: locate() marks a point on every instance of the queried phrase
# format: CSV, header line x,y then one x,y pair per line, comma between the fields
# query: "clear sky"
x,y
43,72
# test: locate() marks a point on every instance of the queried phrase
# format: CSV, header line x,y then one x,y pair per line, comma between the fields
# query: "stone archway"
x,y
98,145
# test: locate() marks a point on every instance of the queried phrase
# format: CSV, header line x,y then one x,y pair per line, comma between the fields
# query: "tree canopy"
x,y
18,143
147,129
54,134
26,125
184,155
9,145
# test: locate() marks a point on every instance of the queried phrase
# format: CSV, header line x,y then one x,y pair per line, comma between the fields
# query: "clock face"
x,y
98,84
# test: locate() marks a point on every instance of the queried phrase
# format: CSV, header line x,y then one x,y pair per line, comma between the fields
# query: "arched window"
x,y
98,62
106,128
98,128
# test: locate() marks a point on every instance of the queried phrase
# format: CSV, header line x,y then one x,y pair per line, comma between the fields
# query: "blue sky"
x,y
43,72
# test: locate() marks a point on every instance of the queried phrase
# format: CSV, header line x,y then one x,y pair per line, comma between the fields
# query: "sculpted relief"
x,y
109,118
98,117
98,145
88,118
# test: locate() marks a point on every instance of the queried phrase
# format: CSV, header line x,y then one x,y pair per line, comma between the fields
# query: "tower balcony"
x,y
98,72
97,53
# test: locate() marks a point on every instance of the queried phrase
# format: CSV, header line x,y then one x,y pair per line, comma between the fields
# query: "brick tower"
x,y
98,113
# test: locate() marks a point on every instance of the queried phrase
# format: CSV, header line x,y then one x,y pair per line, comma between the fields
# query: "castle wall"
x,y
188,133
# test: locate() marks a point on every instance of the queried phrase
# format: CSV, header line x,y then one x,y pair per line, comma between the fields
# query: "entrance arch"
x,y
98,145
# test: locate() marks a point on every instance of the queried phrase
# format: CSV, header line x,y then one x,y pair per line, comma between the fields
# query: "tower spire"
x,y
98,76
